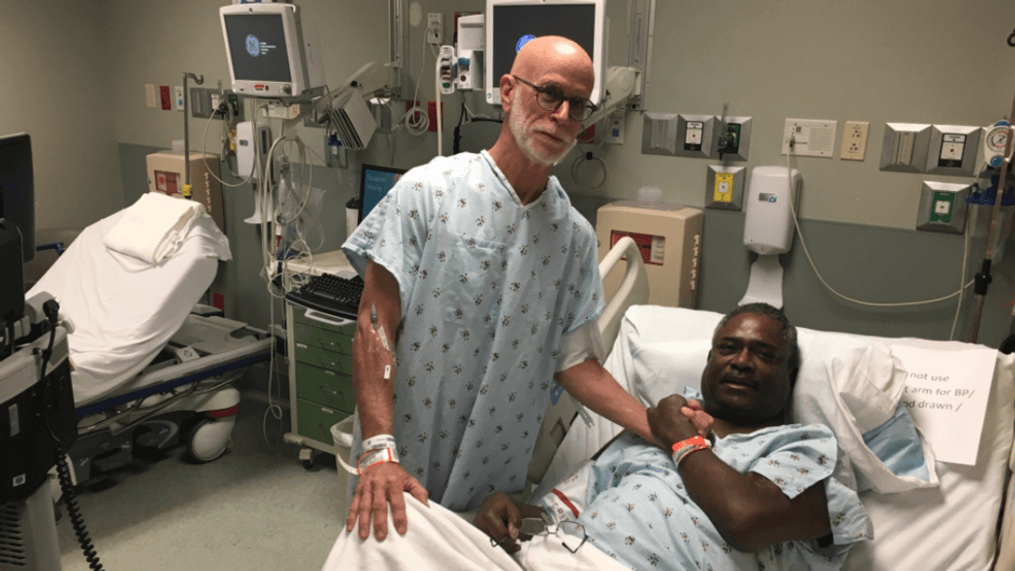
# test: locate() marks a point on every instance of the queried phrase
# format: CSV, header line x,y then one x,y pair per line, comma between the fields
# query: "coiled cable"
x,y
77,521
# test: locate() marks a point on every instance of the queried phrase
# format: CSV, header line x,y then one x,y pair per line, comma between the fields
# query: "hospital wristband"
x,y
379,441
684,447
374,457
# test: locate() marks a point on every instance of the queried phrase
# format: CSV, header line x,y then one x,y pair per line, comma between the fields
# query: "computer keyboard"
x,y
331,294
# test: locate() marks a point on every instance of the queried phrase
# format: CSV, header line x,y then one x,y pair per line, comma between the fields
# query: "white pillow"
x,y
846,382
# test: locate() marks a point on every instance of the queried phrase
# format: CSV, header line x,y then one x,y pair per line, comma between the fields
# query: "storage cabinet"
x,y
320,377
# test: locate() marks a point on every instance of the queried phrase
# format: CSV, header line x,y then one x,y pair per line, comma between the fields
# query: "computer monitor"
x,y
375,182
17,189
269,54
511,23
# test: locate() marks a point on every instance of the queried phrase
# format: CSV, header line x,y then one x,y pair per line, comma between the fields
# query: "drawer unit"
x,y
320,375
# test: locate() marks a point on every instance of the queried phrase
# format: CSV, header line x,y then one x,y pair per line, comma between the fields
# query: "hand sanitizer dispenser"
x,y
768,230
768,225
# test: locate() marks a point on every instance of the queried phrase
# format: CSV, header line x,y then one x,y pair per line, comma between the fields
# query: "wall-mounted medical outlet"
x,y
696,136
905,147
942,207
953,149
659,134
733,139
854,141
809,137
434,28
178,98
724,187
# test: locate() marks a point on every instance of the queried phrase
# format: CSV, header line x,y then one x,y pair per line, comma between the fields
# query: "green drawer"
x,y
331,324
334,341
326,387
337,362
315,421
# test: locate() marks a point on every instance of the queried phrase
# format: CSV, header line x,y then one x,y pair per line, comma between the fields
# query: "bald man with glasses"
x,y
481,286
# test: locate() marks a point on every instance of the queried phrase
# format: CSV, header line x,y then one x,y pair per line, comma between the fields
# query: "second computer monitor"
x,y
512,23
375,182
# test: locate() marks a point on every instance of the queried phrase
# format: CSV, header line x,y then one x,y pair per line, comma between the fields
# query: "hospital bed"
x,y
967,522
146,370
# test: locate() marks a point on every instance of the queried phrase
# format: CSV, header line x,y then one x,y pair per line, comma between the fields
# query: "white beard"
x,y
523,137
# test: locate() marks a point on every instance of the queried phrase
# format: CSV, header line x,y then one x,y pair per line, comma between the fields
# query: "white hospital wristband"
x,y
379,441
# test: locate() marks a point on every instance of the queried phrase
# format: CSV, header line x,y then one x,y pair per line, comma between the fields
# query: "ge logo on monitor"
x,y
253,45
522,41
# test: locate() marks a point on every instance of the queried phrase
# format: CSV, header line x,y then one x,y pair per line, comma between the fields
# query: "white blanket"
x,y
125,310
153,227
440,540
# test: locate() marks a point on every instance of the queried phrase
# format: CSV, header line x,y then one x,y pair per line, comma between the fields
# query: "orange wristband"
x,y
684,447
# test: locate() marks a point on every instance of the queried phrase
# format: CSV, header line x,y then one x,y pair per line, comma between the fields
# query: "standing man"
x,y
481,283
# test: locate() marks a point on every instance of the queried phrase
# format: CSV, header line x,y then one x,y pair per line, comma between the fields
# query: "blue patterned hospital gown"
x,y
638,512
487,288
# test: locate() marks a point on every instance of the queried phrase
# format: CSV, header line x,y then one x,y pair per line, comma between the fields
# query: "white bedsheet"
x,y
440,540
125,310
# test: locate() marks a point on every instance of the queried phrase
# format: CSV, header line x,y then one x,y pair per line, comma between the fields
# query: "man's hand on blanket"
x,y
378,486
501,518
676,419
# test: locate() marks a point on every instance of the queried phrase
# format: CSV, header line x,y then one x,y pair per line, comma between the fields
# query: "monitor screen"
x,y
375,183
17,189
257,46
515,22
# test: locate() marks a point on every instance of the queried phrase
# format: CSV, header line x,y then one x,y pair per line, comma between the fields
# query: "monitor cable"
x,y
51,308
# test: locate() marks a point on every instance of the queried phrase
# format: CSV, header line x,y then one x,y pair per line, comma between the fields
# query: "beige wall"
x,y
55,86
913,61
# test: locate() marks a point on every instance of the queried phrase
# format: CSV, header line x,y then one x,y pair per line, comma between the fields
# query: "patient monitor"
x,y
269,54
511,23
669,238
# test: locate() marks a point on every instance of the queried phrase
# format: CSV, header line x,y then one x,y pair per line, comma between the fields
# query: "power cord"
x,y
51,308
803,244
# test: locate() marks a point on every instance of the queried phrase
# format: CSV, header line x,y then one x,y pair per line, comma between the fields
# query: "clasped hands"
x,y
674,419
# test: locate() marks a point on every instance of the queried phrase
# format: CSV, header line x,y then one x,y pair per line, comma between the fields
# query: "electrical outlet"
x,y
434,28
854,141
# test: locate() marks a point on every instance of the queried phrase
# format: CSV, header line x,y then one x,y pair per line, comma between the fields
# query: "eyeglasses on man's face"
x,y
536,526
550,97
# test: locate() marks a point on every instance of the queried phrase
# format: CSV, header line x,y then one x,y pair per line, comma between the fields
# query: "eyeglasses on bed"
x,y
536,526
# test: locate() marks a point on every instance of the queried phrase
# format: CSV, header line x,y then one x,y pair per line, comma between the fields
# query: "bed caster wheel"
x,y
208,440
307,457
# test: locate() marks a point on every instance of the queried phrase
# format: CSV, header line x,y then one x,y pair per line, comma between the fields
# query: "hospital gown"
x,y
487,289
638,511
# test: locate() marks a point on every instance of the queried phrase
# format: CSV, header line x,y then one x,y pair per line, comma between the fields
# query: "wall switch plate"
x,y
736,138
811,138
178,98
696,136
149,92
659,134
953,149
942,207
854,141
724,187
905,147
434,28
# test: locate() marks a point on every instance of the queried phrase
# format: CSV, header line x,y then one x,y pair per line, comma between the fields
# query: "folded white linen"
x,y
153,227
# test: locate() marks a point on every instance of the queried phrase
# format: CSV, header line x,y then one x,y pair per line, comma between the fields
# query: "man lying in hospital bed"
x,y
758,493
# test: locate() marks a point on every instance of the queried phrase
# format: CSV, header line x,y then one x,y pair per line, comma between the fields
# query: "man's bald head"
x,y
557,54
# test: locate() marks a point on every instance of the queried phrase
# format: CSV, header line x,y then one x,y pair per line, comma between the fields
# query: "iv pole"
x,y
186,134
983,278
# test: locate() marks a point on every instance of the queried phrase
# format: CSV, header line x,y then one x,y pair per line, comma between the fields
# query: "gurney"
x,y
146,370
